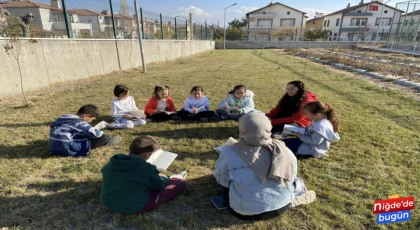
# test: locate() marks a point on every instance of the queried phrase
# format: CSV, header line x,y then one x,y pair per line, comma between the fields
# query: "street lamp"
x,y
224,27
186,27
380,21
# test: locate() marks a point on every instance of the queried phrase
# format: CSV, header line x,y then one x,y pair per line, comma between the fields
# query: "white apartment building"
x,y
275,16
362,22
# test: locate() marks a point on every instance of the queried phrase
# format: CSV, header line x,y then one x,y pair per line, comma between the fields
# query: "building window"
x,y
384,22
337,23
287,22
328,23
335,36
288,12
358,22
325,23
56,17
264,23
385,11
359,11
108,21
355,36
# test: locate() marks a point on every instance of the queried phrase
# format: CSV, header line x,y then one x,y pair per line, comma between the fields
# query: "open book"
x,y
292,130
162,159
168,112
137,114
230,141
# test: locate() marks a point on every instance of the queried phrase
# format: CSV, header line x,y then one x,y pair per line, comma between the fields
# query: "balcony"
x,y
358,14
262,16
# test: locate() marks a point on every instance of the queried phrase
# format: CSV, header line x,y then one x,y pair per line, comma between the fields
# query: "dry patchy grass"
x,y
377,156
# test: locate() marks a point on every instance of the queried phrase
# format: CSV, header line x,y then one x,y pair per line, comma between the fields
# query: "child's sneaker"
x,y
182,175
114,141
204,119
306,198
102,125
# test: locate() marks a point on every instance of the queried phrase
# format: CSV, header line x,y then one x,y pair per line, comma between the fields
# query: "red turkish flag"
x,y
373,8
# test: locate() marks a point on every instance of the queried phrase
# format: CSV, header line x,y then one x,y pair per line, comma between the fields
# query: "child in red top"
x,y
160,107
289,108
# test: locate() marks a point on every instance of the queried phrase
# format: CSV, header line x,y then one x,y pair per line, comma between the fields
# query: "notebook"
x,y
230,141
292,130
137,113
162,159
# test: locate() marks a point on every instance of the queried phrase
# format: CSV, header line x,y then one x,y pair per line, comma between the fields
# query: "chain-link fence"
x,y
105,19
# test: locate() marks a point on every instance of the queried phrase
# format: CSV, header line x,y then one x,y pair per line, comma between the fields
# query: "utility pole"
x,y
191,28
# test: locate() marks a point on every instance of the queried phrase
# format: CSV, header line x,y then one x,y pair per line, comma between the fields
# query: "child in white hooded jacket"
x,y
238,102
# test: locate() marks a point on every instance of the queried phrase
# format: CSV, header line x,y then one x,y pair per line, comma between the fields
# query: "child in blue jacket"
x,y
72,135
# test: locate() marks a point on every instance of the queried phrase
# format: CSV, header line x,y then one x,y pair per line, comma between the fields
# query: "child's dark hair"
x,y
319,107
197,88
290,105
159,88
92,110
143,144
238,87
120,89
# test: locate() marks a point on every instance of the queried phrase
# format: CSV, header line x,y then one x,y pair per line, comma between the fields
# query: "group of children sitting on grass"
x,y
132,185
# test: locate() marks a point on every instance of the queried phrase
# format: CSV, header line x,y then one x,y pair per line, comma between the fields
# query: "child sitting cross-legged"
x,y
196,106
160,107
238,102
72,135
131,185
121,109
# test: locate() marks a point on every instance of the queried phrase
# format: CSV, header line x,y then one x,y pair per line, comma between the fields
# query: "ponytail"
x,y
327,110
332,116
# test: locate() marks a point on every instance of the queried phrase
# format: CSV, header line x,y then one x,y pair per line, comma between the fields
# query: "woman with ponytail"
x,y
289,107
321,132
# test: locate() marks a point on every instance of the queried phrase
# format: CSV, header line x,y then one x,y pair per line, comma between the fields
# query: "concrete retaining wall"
x,y
282,44
54,60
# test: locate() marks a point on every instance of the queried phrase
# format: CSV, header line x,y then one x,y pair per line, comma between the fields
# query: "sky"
x,y
213,10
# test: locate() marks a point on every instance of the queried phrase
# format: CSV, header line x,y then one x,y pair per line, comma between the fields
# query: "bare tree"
x,y
124,9
13,47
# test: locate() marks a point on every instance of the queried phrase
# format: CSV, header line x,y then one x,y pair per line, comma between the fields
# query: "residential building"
x,y
362,22
275,22
49,17
315,23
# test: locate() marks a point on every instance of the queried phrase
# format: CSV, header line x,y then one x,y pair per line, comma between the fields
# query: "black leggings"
x,y
98,142
184,114
161,116
261,216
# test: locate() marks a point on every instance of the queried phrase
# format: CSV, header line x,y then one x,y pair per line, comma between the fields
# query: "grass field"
x,y
377,156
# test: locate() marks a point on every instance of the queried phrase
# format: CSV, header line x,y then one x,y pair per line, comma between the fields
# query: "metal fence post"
x,y
140,40
115,33
176,32
66,18
206,34
142,23
161,26
186,30
201,32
